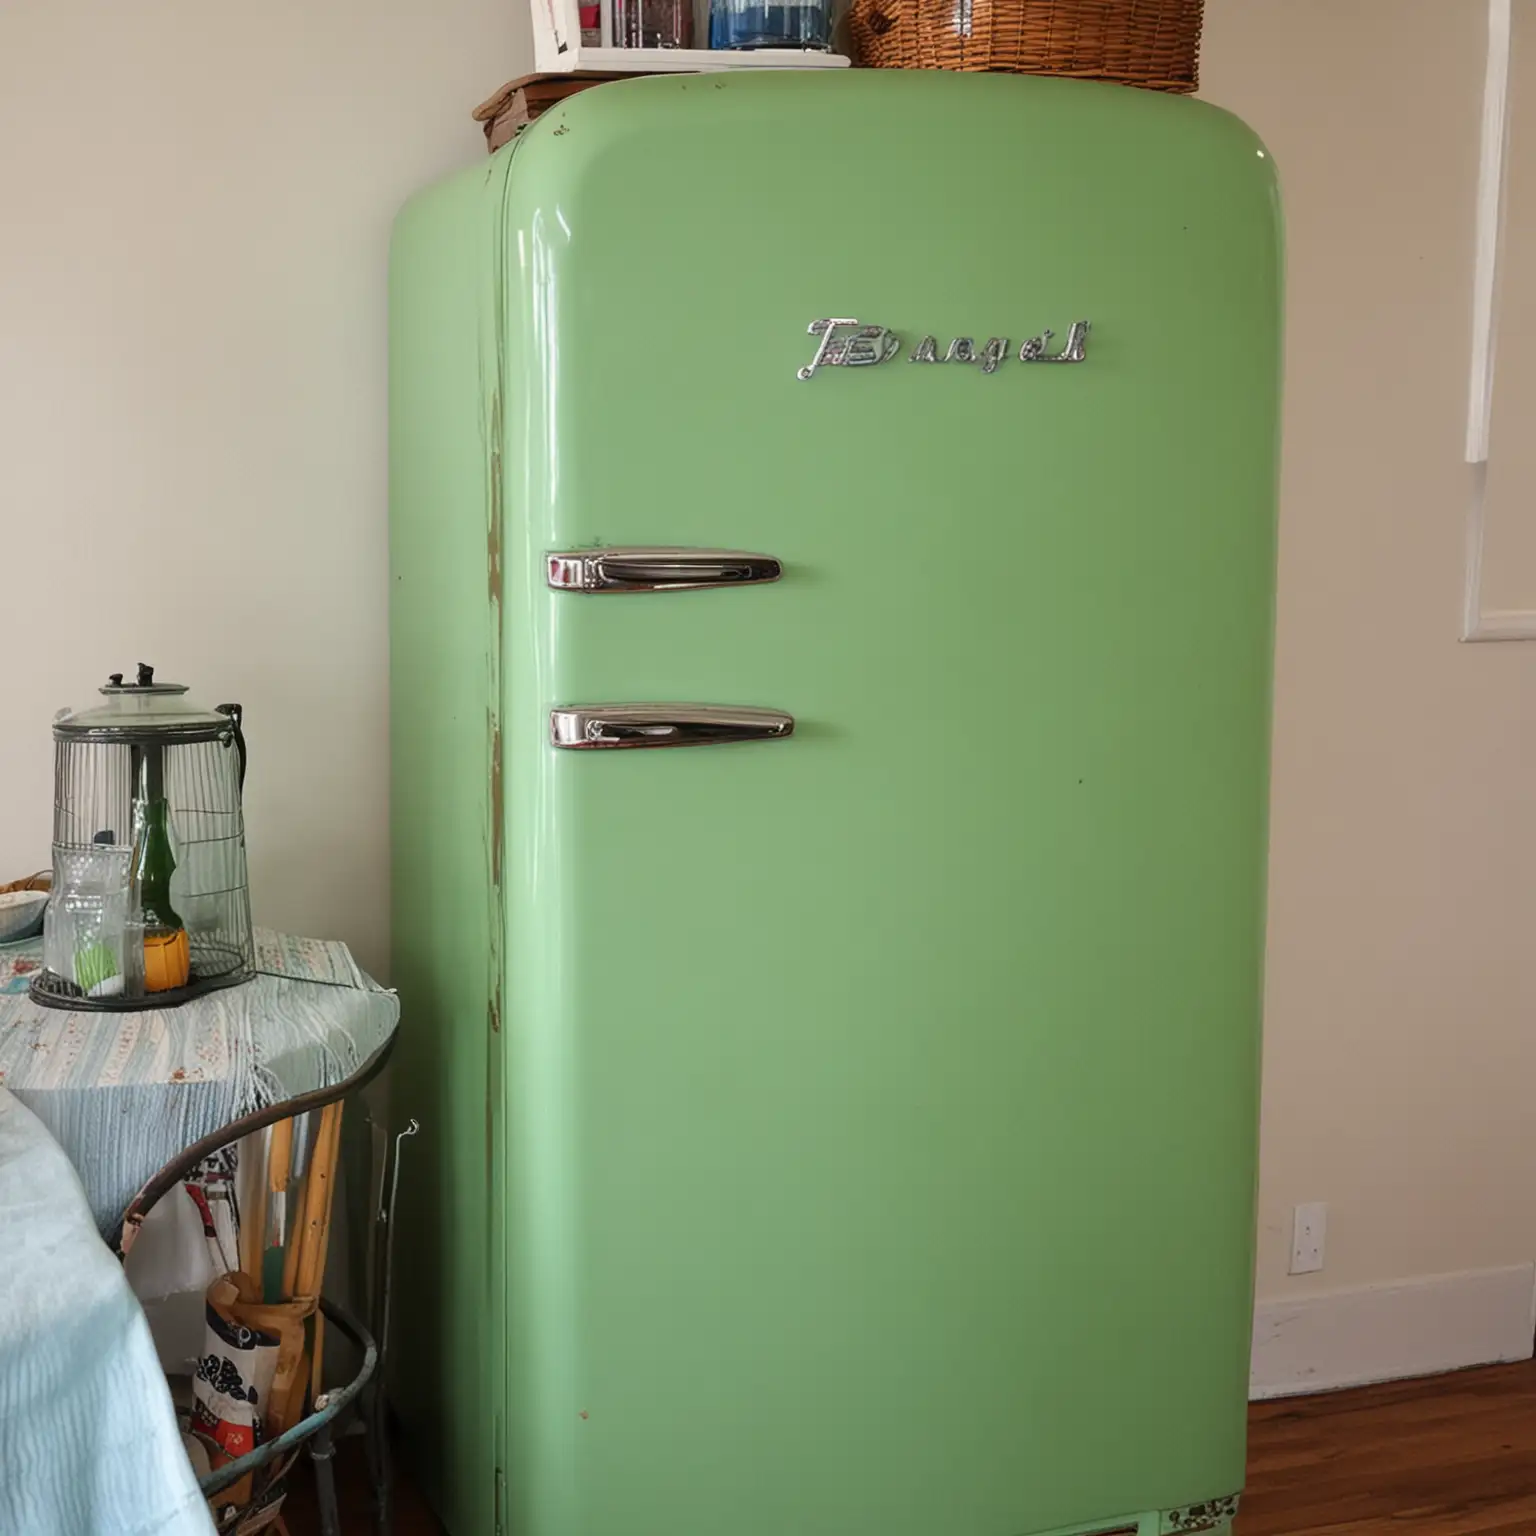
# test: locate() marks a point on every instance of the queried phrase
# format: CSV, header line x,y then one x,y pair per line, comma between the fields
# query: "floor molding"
x,y
1349,1338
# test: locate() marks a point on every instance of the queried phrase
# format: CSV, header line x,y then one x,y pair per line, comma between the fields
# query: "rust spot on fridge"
x,y
1212,1515
498,813
496,810
493,540
493,562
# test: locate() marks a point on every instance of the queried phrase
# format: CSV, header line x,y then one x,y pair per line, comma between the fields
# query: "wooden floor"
x,y
1447,1456
412,1516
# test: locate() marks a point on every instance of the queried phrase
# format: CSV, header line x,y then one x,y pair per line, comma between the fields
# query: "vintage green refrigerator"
x,y
840,1121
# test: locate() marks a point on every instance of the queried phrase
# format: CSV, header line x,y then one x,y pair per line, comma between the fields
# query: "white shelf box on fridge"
x,y
558,49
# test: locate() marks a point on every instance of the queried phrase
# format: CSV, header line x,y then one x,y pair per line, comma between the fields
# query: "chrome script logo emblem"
x,y
847,344
844,343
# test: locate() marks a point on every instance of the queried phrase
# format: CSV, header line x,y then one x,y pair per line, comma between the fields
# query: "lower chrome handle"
x,y
660,569
588,727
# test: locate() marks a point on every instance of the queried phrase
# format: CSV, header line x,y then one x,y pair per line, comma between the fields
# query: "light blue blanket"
x,y
88,1439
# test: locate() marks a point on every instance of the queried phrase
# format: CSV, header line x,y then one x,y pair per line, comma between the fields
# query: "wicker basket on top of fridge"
x,y
1150,43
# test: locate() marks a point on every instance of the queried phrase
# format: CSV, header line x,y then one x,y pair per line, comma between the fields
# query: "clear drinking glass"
x,y
85,928
652,23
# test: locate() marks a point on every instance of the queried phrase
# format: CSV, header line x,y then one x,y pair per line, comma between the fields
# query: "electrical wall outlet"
x,y
1309,1230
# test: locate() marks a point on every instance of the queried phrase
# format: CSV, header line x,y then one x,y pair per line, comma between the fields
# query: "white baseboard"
x,y
1389,1332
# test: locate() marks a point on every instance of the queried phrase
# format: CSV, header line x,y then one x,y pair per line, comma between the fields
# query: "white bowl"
x,y
21,914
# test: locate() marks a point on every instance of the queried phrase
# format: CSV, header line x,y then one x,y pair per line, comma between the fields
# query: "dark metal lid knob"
x,y
116,679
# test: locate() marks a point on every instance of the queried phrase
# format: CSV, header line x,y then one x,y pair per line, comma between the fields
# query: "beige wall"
x,y
196,201
1400,1058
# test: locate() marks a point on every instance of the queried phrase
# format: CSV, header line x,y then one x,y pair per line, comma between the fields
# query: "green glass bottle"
x,y
166,956
155,866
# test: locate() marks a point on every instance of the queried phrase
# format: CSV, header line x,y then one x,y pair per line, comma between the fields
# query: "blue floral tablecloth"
x,y
125,1093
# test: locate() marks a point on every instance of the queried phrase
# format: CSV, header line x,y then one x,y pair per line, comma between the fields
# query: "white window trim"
x,y
1477,622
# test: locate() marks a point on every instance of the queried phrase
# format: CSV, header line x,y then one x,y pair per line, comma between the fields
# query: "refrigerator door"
x,y
882,1095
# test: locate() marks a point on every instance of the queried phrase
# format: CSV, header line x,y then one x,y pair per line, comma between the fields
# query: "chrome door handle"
x,y
607,726
641,569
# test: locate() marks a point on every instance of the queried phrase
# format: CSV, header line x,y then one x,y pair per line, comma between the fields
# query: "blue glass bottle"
x,y
770,24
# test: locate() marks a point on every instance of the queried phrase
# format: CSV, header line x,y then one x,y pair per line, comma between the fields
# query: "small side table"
x,y
129,1094
141,1101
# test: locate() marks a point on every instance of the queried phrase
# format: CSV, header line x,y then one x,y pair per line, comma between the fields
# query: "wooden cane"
x,y
311,1273
314,1364
279,1156
322,1243
323,1246
253,1223
310,1238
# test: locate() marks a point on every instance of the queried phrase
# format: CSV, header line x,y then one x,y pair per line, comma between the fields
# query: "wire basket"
x,y
1150,43
150,904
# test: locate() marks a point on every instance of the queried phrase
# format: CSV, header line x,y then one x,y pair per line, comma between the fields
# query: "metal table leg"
x,y
322,1452
375,1418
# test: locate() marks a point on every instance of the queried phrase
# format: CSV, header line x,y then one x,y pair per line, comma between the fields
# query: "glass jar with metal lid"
x,y
150,904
